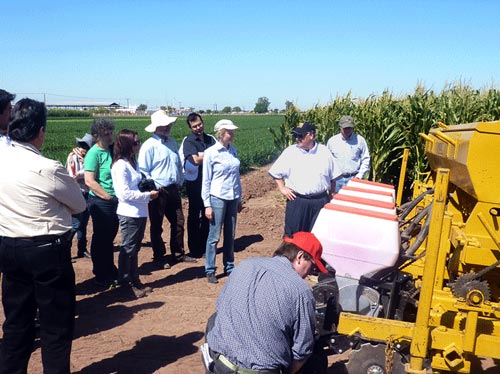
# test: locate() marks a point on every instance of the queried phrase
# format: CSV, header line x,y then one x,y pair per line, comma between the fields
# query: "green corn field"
x,y
253,140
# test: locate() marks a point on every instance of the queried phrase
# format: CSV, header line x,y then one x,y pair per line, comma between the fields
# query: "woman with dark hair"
x,y
132,208
102,202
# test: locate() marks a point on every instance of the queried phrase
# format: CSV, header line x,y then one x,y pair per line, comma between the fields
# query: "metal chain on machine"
x,y
389,355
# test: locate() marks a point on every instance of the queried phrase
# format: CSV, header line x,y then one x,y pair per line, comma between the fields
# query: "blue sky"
x,y
229,53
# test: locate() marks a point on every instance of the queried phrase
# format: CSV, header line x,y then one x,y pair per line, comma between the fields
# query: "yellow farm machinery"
x,y
417,287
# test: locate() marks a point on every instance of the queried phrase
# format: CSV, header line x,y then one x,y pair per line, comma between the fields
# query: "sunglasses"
x,y
137,142
300,136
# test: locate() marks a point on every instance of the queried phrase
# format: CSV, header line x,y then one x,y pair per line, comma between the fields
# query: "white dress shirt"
x,y
37,195
305,172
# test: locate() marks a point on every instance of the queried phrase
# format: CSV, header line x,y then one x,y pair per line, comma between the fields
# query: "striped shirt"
x,y
265,316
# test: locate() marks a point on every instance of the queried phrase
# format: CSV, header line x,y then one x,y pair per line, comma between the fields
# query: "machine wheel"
x,y
370,359
466,283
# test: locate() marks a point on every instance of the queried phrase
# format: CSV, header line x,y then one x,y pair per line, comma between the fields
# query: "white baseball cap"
x,y
225,124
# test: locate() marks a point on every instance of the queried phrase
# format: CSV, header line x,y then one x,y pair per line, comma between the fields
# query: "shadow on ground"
x,y
148,355
245,241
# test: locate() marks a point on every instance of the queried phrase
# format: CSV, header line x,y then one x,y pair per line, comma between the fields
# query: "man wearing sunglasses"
x,y
304,175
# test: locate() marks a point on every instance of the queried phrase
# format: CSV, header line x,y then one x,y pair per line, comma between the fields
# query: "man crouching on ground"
x,y
265,312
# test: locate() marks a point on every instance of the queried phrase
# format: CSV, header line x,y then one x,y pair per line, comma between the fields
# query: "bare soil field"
x,y
162,333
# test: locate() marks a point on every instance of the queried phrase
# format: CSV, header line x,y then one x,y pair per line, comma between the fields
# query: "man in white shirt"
x,y
37,199
304,174
350,153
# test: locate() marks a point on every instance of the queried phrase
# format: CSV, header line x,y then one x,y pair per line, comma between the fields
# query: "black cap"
x,y
304,128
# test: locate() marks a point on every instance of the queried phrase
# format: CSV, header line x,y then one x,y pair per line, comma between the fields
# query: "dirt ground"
x,y
162,332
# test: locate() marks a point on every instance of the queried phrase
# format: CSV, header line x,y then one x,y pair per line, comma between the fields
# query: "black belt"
x,y
349,175
40,238
317,195
170,187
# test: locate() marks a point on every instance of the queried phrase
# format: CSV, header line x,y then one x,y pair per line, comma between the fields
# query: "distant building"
x,y
85,105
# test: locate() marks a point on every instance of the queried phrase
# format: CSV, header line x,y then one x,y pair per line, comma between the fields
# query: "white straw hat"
x,y
159,118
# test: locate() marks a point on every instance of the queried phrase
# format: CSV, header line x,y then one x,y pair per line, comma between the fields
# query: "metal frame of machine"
x,y
441,302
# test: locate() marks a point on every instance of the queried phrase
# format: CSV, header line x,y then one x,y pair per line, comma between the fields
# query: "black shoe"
x,y
83,254
107,283
161,264
186,258
212,278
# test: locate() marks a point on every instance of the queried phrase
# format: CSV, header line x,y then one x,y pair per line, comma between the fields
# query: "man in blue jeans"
x,y
37,199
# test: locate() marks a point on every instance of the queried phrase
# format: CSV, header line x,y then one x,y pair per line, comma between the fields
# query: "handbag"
x,y
146,184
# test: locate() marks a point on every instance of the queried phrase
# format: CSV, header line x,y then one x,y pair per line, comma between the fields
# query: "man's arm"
x,y
196,159
144,162
364,166
296,365
285,191
95,187
68,192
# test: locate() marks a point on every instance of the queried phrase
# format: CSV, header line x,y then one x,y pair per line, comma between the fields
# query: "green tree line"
x,y
390,124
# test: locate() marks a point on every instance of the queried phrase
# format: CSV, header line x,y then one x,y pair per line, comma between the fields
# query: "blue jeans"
x,y
79,227
224,212
341,182
132,233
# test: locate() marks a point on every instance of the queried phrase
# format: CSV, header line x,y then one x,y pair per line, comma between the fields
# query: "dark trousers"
x,y
105,226
79,227
167,204
301,213
197,224
132,233
37,275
